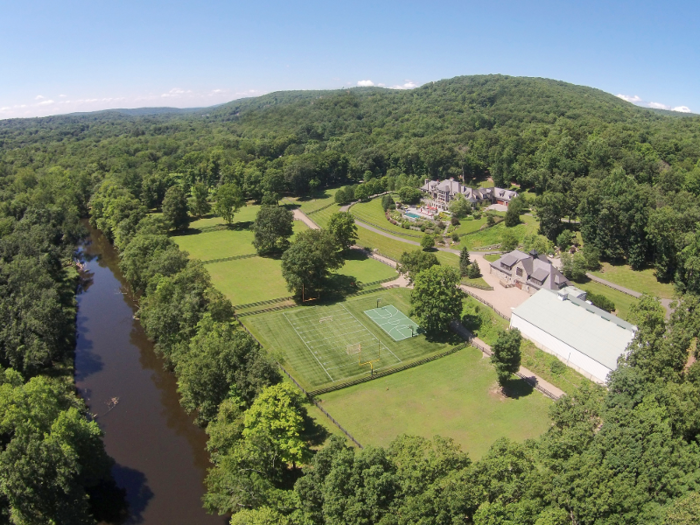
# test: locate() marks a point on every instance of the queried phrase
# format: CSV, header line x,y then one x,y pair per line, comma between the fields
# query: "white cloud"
x,y
409,84
62,96
39,97
365,83
637,100
176,92
633,99
45,103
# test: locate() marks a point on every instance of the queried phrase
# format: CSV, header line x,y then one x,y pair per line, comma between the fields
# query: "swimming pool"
x,y
412,215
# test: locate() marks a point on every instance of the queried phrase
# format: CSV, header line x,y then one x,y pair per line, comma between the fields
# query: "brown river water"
x,y
160,454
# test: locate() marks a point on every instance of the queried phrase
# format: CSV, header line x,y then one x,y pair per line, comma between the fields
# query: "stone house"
x,y
442,192
528,271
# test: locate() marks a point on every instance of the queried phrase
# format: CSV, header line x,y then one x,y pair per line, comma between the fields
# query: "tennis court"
x,y
335,338
393,322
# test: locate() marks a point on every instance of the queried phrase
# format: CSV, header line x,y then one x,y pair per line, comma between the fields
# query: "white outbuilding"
x,y
564,324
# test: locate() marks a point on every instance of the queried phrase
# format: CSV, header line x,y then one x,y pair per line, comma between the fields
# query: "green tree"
x,y
515,210
229,199
362,192
278,413
412,263
436,298
272,229
200,203
506,354
460,207
388,202
147,258
564,239
474,271
175,208
308,261
409,195
427,242
219,362
464,261
341,226
550,210
509,241
573,266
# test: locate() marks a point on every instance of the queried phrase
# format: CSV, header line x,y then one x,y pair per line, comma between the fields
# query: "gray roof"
x,y
538,268
594,332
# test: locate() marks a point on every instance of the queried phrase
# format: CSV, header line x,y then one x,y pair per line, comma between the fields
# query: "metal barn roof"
x,y
594,332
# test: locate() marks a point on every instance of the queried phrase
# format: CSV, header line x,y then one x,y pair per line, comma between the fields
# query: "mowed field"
x,y
312,342
455,396
253,279
642,281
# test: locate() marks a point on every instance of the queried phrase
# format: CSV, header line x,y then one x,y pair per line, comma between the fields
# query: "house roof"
x,y
594,332
536,266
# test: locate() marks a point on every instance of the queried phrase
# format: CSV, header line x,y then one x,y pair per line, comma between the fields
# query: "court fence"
x,y
307,394
384,373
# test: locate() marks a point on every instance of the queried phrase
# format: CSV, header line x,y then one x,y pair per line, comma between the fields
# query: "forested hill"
x,y
461,104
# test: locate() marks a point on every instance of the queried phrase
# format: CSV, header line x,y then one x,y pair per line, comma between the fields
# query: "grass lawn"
x,y
246,281
492,257
321,358
623,302
470,225
550,368
323,216
365,269
479,282
454,397
491,236
643,281
372,213
482,321
312,203
394,249
216,244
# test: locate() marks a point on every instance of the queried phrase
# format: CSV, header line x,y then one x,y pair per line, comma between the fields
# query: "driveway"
x,y
301,216
502,299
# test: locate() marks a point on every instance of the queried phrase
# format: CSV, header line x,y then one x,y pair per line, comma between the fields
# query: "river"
x,y
160,454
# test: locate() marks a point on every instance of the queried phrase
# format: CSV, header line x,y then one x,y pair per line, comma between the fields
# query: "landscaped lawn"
x,y
322,217
365,269
393,249
311,204
321,358
251,280
479,282
493,257
468,225
455,396
623,302
642,281
216,244
372,213
493,235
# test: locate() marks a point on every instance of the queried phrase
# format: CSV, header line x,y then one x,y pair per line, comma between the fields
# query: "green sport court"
x,y
332,335
393,322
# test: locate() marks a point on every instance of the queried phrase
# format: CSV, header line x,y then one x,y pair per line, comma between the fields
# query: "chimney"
x,y
563,295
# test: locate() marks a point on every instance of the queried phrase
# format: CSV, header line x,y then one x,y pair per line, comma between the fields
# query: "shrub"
x,y
455,221
557,367
601,302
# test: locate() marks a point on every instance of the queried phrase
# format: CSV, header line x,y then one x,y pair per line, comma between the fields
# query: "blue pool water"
x,y
412,215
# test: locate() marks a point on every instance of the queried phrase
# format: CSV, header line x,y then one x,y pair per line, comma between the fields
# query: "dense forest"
x,y
628,454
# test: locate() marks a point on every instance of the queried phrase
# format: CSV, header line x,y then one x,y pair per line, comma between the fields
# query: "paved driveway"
x,y
503,299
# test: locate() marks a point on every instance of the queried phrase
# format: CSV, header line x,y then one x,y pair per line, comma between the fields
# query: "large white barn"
x,y
584,337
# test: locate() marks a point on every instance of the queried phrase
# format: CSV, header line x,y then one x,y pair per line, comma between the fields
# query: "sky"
x,y
73,55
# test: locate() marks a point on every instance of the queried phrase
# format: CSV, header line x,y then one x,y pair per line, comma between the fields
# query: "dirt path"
x,y
666,303
301,216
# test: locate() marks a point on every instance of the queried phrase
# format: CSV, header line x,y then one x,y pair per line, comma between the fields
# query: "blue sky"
x,y
59,57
